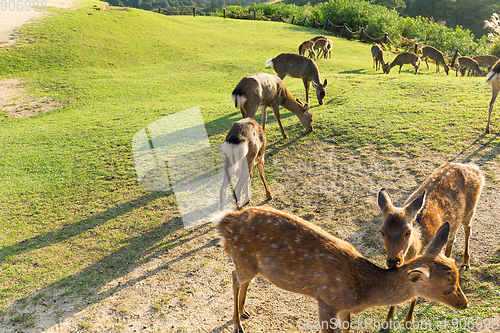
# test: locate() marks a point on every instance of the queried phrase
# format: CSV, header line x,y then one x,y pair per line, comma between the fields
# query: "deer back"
x,y
448,195
249,131
486,60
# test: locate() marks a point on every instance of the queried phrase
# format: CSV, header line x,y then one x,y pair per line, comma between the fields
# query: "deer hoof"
x,y
464,267
384,330
245,315
239,330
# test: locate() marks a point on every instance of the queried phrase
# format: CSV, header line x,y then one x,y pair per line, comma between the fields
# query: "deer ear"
x,y
439,241
419,274
384,200
298,101
314,84
325,83
415,206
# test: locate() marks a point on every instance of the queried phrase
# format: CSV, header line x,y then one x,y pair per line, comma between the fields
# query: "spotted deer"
x,y
298,66
266,90
307,46
465,63
486,61
300,257
378,58
449,195
436,55
245,139
494,80
404,58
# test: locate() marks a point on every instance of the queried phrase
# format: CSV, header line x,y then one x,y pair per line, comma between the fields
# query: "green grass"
x,y
71,211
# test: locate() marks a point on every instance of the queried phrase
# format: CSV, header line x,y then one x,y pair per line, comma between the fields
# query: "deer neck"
x,y
383,287
290,104
415,243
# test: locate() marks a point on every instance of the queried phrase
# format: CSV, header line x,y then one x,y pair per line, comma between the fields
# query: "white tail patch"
x,y
238,100
235,154
491,76
270,62
217,217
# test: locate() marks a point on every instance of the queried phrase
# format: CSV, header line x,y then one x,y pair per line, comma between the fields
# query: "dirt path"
x,y
10,20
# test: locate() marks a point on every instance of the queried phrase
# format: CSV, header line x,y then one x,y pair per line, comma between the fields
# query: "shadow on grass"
x,y
477,151
72,230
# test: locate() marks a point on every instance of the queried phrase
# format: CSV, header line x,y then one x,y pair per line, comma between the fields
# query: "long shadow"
x,y
71,230
139,250
465,156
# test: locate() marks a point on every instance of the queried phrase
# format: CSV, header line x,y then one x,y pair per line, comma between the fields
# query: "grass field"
x,y
72,215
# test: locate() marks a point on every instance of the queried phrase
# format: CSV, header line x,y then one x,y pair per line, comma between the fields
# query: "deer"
x,y
320,45
265,90
327,50
402,59
378,58
308,46
449,195
436,55
300,257
298,66
246,138
465,63
494,80
487,61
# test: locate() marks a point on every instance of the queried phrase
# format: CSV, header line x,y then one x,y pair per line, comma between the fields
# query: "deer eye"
x,y
382,233
408,233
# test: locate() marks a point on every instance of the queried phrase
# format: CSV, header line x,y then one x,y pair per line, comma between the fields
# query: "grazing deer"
x,y
327,50
436,55
298,256
298,66
308,46
245,139
449,195
486,61
265,90
494,80
378,58
319,46
404,58
465,63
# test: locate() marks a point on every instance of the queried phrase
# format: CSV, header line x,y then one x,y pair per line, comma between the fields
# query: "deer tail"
x,y
238,98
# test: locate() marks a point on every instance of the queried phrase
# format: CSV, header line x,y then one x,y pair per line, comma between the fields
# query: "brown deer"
x,y
298,256
319,45
307,46
486,61
494,80
265,90
465,63
327,50
298,66
436,55
404,58
449,195
378,58
245,139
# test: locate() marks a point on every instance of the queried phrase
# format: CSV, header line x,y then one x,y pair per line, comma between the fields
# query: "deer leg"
x,y
492,103
264,116
276,110
416,68
225,185
466,258
325,314
241,300
388,320
400,69
345,321
409,315
236,316
260,167
306,85
426,63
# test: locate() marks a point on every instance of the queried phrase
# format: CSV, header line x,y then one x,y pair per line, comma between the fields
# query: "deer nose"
x,y
392,264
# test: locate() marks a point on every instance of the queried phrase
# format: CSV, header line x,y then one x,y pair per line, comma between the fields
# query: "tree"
x,y
398,5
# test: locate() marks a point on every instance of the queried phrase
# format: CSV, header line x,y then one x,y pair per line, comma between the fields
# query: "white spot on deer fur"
x,y
339,279
242,248
297,240
235,238
292,252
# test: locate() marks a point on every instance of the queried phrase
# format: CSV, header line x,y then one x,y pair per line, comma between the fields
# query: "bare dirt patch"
x,y
15,102
185,285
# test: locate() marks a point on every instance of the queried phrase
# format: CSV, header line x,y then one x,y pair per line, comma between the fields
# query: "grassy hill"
x,y
71,210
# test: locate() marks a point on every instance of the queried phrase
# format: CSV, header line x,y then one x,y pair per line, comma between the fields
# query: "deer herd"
x,y
297,255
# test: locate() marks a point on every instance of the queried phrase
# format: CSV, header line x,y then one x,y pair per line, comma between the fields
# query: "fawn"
x,y
298,256
245,139
449,195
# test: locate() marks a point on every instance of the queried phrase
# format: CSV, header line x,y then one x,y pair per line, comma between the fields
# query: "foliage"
x,y
397,5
